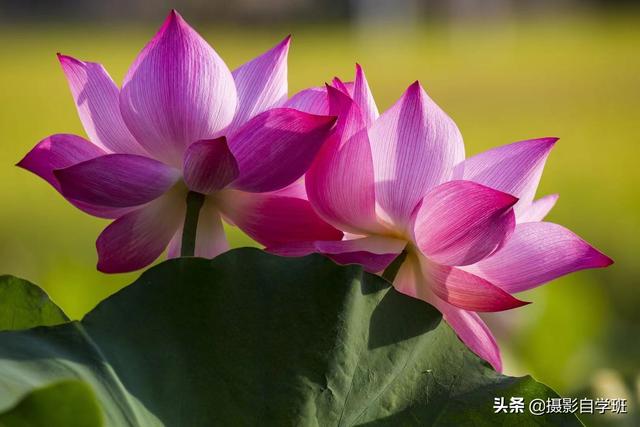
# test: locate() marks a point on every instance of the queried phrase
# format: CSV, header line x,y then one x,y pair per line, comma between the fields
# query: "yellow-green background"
x,y
577,78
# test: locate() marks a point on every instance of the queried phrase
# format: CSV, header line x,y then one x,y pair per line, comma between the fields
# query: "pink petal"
x,y
262,83
135,240
294,248
350,120
374,253
209,166
210,236
465,290
515,169
276,147
275,220
116,180
96,98
473,332
373,263
415,146
177,91
313,100
461,222
175,244
364,98
360,92
410,281
340,183
211,240
57,152
345,88
538,209
468,325
296,189
61,151
536,253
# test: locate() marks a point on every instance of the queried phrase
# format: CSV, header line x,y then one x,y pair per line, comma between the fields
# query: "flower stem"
x,y
194,203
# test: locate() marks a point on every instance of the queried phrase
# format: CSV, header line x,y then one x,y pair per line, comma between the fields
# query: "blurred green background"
x,y
571,75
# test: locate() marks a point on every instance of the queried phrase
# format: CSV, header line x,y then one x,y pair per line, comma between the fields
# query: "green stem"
x,y
194,203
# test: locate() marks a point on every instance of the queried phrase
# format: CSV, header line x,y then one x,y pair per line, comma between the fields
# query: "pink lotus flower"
x,y
472,232
182,123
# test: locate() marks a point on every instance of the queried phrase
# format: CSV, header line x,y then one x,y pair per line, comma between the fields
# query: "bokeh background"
x,y
504,70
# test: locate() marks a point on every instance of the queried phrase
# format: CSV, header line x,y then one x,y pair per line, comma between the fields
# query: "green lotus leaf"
x,y
250,338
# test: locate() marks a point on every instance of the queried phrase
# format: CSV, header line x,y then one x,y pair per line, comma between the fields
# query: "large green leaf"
x,y
253,339
69,403
24,305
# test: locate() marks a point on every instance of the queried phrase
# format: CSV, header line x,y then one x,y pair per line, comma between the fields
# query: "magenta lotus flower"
x,y
183,123
471,230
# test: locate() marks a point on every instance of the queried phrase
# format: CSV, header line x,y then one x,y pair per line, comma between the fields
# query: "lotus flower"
x,y
182,122
471,230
